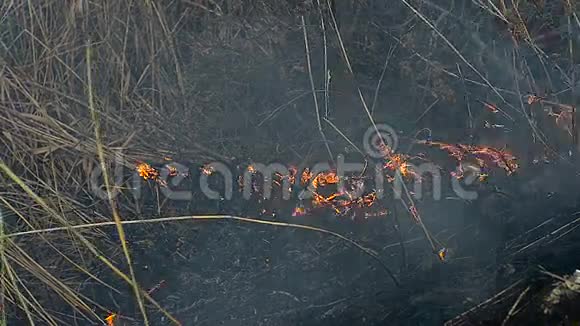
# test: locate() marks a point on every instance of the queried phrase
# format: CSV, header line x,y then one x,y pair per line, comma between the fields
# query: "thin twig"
x,y
456,51
326,73
279,108
573,78
314,90
512,311
460,319
531,123
376,96
397,227
344,136
427,110
467,100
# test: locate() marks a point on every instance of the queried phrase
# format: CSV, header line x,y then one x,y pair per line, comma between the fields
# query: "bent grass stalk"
x,y
18,181
112,202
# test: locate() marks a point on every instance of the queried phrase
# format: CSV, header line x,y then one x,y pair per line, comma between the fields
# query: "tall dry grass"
x,y
86,86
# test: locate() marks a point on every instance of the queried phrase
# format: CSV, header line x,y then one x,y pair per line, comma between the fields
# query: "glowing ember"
x,y
414,214
483,155
305,178
351,198
147,172
207,169
323,179
534,99
291,175
172,170
398,162
442,254
500,158
111,319
491,107
299,211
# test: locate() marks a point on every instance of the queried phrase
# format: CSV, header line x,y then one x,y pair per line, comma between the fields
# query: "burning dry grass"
x,y
88,86
64,117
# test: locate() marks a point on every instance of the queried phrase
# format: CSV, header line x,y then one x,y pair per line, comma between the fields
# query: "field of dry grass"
x,y
89,89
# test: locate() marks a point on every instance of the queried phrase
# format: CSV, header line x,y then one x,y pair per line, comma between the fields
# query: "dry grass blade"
x,y
433,242
111,199
378,88
456,51
463,317
314,91
512,312
23,302
80,303
4,168
51,245
2,272
344,137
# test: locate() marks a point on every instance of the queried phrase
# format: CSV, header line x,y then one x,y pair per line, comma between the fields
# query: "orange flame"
x,y
500,158
305,177
299,211
442,254
325,178
147,172
111,319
